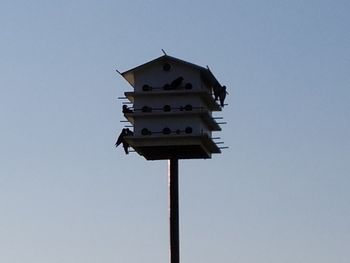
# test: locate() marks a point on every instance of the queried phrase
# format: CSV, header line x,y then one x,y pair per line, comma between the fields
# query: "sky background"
x,y
280,193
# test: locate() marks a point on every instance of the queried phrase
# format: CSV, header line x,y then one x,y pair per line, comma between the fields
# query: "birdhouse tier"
x,y
176,117
171,109
203,97
162,147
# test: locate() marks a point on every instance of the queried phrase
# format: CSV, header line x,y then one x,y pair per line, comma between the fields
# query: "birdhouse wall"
x,y
155,76
206,86
157,125
176,102
204,129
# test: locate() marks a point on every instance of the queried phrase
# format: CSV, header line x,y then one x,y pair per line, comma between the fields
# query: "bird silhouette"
x,y
121,139
176,82
126,109
222,95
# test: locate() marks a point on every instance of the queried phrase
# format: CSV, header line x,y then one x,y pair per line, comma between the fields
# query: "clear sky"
x,y
280,193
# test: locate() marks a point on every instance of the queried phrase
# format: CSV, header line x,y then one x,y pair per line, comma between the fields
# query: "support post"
x,y
173,180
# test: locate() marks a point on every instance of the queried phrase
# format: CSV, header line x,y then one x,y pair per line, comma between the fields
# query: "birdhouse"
x,y
170,109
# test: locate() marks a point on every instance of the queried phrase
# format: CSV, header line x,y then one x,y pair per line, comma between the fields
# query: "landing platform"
x,y
162,147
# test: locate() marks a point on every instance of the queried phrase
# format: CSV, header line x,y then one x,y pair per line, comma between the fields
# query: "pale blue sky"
x,y
280,193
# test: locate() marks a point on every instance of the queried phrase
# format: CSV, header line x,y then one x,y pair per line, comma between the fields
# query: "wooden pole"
x,y
173,180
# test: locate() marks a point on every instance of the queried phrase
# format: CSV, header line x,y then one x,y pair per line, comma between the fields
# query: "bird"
x,y
222,95
176,82
126,109
125,144
121,139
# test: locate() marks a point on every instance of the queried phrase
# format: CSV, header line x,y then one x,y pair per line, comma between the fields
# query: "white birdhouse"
x,y
171,112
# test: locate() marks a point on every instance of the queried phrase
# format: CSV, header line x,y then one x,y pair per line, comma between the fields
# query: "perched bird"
x,y
121,139
176,82
126,109
125,144
126,147
222,95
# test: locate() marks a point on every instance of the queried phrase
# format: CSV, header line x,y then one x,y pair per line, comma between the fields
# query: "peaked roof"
x,y
205,72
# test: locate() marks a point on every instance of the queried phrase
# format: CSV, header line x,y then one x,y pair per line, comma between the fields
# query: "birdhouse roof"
x,y
205,72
